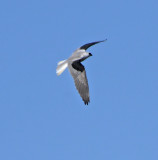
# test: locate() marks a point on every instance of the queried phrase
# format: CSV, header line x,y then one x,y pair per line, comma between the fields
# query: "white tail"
x,y
62,65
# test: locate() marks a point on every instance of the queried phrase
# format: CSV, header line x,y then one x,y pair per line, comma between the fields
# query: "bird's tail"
x,y
62,65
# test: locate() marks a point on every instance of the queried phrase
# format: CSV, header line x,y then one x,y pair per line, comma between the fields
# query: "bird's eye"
x,y
90,54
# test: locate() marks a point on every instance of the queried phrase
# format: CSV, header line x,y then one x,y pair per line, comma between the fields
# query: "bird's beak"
x,y
90,54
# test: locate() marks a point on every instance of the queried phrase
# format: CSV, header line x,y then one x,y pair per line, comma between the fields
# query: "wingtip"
x,y
104,40
86,102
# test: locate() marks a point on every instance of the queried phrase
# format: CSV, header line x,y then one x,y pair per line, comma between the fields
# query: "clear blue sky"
x,y
42,116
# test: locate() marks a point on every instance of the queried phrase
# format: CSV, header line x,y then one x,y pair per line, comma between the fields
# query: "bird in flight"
x,y
77,70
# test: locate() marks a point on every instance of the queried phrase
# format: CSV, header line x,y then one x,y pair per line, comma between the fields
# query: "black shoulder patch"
x,y
78,66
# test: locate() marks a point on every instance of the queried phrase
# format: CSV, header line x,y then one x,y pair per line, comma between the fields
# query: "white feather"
x,y
61,62
62,65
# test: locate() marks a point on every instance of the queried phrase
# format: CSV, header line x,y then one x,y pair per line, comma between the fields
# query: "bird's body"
x,y
77,70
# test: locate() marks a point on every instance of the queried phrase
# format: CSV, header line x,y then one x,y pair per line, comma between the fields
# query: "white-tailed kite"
x,y
77,70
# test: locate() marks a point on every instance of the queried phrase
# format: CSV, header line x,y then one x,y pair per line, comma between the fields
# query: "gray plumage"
x,y
77,70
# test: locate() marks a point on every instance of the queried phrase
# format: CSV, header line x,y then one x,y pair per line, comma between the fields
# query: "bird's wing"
x,y
86,46
78,73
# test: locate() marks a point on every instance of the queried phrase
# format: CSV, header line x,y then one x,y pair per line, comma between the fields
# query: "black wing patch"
x,y
78,66
86,46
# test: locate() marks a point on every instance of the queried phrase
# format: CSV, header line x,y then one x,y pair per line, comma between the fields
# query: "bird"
x,y
77,70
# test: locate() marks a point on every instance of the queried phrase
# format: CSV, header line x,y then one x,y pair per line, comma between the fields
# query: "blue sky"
x,y
42,116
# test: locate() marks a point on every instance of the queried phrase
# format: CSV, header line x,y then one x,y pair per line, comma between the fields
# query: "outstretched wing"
x,y
78,73
86,46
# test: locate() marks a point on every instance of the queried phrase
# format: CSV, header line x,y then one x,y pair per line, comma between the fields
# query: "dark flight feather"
x,y
86,46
